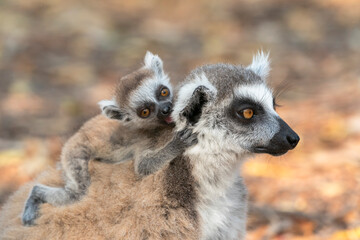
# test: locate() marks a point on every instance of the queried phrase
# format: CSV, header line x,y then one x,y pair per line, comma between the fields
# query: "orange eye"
x,y
164,92
248,113
145,113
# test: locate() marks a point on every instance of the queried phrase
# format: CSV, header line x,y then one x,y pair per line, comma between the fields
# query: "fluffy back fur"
x,y
117,206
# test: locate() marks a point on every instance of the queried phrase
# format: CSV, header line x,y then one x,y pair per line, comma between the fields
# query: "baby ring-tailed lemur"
x,y
136,124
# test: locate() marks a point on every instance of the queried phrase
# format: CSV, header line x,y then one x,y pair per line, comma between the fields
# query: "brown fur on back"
x,y
118,206
105,138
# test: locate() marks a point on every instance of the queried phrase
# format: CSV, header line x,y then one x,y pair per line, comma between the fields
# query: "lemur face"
x,y
252,113
234,109
151,103
143,99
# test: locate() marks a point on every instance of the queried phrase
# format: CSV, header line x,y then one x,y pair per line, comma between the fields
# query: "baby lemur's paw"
x,y
186,138
31,210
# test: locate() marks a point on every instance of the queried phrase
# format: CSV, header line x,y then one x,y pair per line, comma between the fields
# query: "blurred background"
x,y
58,58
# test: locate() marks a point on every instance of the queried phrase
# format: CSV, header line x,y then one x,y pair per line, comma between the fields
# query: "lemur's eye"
x,y
247,113
164,92
145,113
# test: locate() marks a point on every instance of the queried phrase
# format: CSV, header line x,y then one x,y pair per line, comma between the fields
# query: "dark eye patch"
x,y
148,105
158,93
245,103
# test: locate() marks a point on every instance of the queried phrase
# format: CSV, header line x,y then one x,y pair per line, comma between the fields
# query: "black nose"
x,y
165,109
286,138
293,139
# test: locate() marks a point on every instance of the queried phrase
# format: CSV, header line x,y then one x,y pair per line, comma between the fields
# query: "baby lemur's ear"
x,y
111,110
154,63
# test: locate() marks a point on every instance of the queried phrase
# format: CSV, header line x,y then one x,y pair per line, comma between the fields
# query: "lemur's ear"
x,y
192,97
260,64
193,110
154,63
110,109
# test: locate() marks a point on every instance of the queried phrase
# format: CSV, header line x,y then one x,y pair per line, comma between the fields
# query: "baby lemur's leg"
x,y
40,194
152,161
75,157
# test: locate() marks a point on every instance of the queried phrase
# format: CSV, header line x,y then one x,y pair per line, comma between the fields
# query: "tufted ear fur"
x,y
193,110
111,110
192,96
260,64
154,63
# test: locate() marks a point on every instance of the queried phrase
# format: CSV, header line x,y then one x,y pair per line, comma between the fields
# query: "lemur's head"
x,y
142,98
233,106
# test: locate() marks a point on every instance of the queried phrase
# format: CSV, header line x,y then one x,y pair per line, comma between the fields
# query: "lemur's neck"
x,y
216,168
220,192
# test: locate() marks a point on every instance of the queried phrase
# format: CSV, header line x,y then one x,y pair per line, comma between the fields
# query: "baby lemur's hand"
x,y
153,161
185,138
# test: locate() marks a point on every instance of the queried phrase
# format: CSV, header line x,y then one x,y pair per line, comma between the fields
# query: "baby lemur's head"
x,y
142,98
233,109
